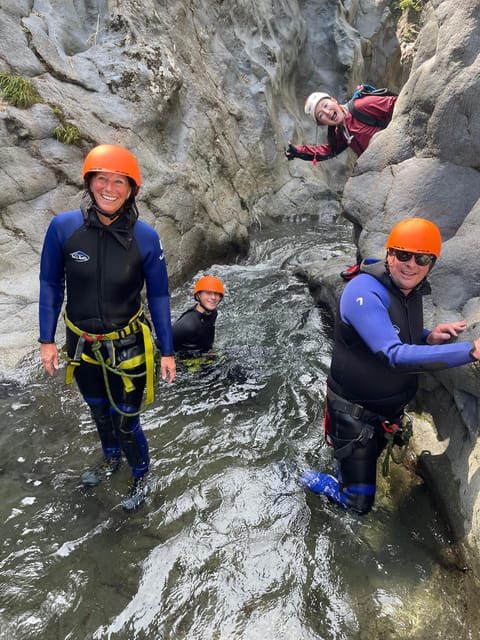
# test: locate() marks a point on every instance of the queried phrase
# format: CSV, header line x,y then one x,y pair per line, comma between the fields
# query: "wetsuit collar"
x,y
205,311
120,229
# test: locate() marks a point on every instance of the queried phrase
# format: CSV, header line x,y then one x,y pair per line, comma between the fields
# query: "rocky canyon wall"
x,y
205,94
426,164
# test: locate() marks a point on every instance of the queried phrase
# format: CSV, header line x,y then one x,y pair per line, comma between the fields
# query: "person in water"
x,y
380,346
348,127
104,255
194,331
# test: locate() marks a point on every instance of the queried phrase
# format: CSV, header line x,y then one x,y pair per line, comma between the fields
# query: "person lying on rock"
x,y
380,347
350,125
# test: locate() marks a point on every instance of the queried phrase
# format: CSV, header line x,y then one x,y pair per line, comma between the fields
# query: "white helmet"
x,y
311,103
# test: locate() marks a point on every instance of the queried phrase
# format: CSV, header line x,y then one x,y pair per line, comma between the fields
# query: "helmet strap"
x,y
130,202
110,216
207,311
387,269
197,300
117,214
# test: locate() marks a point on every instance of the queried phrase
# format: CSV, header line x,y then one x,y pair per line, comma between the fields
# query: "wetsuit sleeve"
x,y
52,282
322,151
156,280
364,306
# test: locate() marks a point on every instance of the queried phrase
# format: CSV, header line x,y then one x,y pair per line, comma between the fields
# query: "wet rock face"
x,y
426,164
205,94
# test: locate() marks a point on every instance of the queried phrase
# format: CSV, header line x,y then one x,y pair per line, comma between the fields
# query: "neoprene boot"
x,y
322,483
136,494
100,472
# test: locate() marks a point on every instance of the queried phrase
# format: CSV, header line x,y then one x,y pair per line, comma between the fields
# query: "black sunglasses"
x,y
422,259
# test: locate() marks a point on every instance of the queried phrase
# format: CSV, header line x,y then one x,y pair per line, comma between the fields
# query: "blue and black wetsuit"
x,y
194,331
104,269
379,350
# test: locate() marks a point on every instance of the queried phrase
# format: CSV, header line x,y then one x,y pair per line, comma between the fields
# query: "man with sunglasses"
x,y
380,347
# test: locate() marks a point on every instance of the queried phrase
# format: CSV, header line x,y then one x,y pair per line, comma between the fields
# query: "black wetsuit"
x,y
105,269
194,331
379,350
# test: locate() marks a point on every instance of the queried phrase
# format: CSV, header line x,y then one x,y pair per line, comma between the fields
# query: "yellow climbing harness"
x,y
136,324
198,363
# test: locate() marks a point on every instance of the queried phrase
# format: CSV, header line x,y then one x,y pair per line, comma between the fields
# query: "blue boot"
x,y
324,484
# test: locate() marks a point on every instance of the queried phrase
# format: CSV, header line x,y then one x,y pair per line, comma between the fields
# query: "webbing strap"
x,y
131,327
366,434
149,359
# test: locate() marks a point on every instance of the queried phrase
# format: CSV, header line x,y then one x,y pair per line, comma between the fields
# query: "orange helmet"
x,y
416,235
209,283
112,159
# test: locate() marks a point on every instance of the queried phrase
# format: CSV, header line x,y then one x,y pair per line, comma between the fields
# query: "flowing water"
x,y
228,546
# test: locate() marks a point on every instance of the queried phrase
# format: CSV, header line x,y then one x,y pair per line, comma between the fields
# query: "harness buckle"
x,y
366,434
357,411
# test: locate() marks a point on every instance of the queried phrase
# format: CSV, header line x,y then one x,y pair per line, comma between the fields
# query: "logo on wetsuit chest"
x,y
397,329
79,256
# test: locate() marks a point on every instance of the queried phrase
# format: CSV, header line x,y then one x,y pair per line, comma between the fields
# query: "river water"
x,y
228,547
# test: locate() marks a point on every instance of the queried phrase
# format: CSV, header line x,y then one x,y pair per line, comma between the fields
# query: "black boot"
x,y
137,492
101,471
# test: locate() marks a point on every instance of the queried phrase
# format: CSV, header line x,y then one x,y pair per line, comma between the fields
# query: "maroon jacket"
x,y
381,107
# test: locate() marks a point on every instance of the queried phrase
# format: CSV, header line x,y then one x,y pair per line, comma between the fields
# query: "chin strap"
x,y
207,311
95,207
110,216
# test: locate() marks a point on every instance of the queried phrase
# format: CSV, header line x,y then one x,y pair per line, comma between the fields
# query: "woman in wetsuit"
x,y
105,255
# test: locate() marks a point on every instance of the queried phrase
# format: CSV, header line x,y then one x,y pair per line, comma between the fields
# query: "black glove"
x,y
291,151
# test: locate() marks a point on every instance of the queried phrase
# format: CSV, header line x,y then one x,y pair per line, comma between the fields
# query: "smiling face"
x,y
110,191
208,301
328,112
406,275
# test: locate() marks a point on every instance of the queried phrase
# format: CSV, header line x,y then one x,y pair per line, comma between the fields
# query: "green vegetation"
x,y
21,93
67,133
415,5
17,91
407,15
407,9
